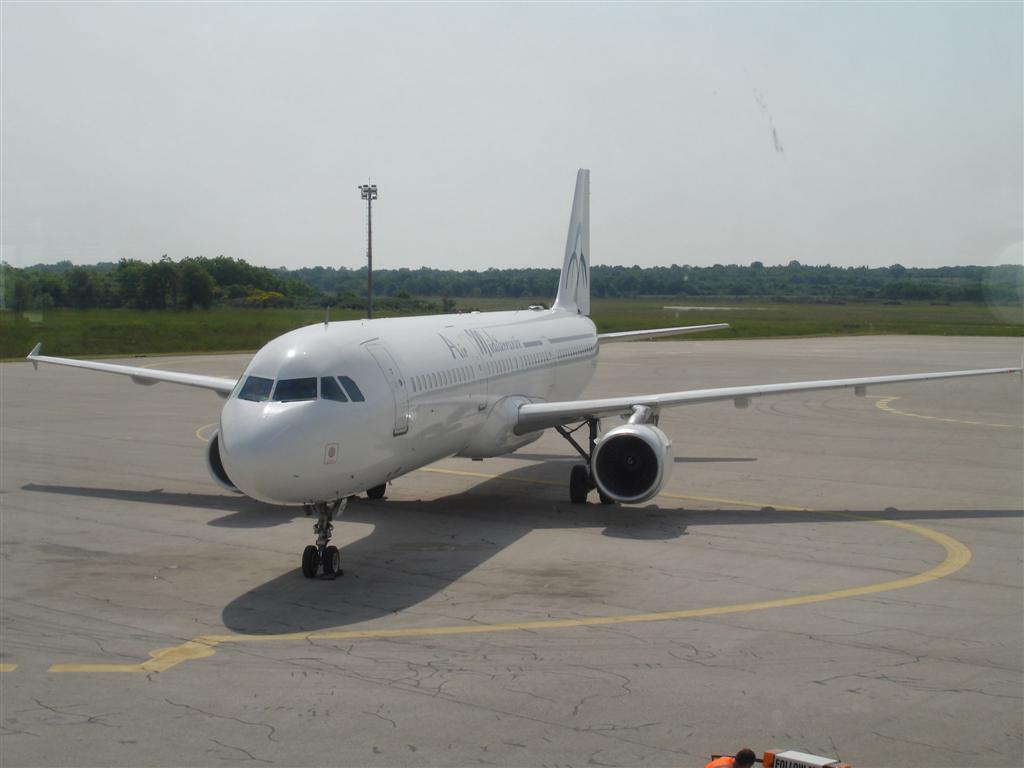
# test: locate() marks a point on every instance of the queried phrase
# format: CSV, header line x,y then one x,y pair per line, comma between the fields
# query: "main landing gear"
x,y
581,478
321,554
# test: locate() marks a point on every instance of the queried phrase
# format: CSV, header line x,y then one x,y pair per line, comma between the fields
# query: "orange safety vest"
x,y
722,762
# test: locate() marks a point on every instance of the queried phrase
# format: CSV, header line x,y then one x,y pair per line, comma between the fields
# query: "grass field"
x,y
130,332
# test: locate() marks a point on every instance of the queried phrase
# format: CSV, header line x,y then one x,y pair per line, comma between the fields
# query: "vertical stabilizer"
x,y
574,282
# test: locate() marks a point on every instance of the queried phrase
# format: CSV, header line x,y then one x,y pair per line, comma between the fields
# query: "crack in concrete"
x,y
13,731
271,730
86,719
379,715
922,744
248,755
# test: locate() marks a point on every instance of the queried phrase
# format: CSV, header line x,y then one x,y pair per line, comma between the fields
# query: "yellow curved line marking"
x,y
957,556
199,432
8,667
883,404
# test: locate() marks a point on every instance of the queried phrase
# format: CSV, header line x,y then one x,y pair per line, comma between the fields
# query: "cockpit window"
x,y
290,390
329,390
256,388
352,389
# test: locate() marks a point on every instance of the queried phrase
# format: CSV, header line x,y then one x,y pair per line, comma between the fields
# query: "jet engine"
x,y
631,463
216,467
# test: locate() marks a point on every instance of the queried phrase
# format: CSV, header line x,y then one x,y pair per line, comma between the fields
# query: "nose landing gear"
x,y
318,555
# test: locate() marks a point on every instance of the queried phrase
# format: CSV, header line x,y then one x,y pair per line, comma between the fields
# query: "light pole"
x,y
368,192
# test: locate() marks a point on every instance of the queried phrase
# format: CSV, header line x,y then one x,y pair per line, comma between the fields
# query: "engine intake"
x,y
216,467
632,462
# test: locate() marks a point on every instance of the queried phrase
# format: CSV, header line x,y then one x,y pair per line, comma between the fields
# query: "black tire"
x,y
310,561
377,492
332,561
579,484
605,498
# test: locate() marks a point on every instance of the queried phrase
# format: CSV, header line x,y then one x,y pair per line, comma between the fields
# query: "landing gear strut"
x,y
318,555
581,478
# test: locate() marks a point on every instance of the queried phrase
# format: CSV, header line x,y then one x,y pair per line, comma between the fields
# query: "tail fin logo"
x,y
576,271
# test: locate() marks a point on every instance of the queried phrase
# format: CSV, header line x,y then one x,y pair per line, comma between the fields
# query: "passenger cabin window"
x,y
256,388
352,389
291,390
329,390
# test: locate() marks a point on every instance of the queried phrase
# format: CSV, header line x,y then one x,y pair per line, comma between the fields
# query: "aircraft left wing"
x,y
146,376
536,416
650,333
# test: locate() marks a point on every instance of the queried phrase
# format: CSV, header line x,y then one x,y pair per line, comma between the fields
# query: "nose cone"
x,y
263,448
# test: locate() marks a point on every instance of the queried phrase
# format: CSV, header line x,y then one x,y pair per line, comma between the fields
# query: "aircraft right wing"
x,y
536,416
139,375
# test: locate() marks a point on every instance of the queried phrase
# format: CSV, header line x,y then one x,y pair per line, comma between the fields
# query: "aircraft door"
x,y
399,389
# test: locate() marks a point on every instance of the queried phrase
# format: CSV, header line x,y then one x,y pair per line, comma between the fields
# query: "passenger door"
x,y
396,382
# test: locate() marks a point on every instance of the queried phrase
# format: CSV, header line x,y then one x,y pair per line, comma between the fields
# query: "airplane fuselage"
x,y
431,387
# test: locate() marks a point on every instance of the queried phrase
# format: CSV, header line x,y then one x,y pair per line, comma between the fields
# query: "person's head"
x,y
745,758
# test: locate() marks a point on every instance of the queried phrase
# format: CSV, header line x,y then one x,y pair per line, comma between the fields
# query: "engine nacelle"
x,y
216,467
631,463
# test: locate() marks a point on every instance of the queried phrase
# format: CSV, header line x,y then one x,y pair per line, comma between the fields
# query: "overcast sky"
x,y
864,134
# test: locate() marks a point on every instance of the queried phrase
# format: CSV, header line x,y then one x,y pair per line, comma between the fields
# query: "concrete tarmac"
x,y
482,619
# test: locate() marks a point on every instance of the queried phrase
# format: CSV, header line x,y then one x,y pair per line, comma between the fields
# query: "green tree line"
x,y
206,282
164,284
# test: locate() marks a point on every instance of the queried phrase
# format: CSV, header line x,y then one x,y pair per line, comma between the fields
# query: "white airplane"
x,y
334,409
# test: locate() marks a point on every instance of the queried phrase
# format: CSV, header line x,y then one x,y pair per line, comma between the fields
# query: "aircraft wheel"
x,y
579,484
605,498
310,561
377,492
332,561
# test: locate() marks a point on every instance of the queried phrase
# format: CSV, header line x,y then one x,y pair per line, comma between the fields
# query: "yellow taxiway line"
x,y
957,556
883,404
199,432
8,667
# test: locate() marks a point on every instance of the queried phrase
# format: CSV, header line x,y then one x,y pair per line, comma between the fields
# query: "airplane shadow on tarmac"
x,y
241,505
417,549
